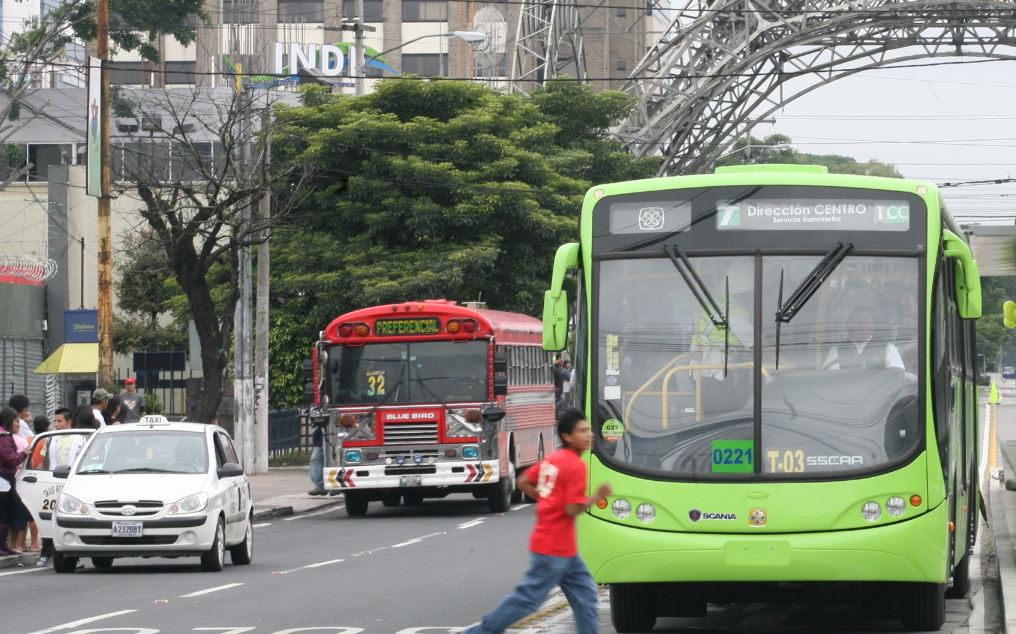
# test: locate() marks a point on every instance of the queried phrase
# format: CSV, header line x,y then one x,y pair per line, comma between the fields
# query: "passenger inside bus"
x,y
861,351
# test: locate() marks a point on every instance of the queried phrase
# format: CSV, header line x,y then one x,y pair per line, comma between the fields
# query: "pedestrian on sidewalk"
x,y
21,404
559,486
133,404
317,460
10,458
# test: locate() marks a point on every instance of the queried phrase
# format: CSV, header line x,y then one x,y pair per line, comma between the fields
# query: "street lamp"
x,y
472,38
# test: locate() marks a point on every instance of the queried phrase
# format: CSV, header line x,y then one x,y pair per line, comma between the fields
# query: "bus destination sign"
x,y
811,214
407,327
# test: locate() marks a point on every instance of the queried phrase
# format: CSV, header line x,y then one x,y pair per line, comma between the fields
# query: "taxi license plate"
x,y
409,481
128,529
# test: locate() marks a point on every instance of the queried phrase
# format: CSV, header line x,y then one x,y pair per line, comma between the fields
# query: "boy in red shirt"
x,y
559,486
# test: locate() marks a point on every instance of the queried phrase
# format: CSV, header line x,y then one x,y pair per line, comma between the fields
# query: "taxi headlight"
x,y
189,504
70,505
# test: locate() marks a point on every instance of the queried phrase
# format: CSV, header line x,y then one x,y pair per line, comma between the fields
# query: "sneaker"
x,y
335,492
317,491
42,563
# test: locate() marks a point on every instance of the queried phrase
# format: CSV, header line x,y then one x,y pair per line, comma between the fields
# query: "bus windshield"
x,y
680,394
401,373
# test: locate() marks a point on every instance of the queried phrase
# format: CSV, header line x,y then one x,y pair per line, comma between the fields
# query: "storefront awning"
x,y
72,358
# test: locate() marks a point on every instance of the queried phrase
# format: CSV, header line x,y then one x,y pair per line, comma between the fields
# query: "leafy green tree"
x,y
433,189
778,148
145,289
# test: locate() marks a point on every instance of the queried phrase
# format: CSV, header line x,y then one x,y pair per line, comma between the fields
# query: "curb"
x,y
1001,509
273,512
25,560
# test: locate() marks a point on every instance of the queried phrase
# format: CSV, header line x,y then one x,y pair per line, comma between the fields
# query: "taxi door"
x,y
36,485
233,491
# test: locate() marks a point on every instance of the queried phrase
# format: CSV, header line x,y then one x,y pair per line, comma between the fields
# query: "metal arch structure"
x,y
548,43
723,65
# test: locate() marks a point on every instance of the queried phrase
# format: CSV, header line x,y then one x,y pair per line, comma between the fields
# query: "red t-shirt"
x,y
560,480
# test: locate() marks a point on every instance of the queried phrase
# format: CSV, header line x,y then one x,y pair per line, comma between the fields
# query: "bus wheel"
x,y
391,498
632,608
923,607
356,504
499,499
961,579
517,494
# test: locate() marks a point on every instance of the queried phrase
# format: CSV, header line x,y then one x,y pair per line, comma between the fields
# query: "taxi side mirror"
x,y
62,472
229,470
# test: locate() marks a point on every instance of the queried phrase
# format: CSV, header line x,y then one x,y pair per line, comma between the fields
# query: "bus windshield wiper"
x,y
702,296
807,288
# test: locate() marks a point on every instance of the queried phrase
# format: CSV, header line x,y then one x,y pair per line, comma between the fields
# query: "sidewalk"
x,y
278,493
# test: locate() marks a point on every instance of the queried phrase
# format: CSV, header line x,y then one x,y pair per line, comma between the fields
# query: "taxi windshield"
x,y
146,451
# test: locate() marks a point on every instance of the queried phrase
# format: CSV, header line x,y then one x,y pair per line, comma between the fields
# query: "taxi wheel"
x,y
243,553
64,564
102,562
213,560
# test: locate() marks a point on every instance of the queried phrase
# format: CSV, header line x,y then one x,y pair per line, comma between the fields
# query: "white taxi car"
x,y
154,489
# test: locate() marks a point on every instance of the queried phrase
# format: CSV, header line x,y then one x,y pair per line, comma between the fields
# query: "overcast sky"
x,y
944,123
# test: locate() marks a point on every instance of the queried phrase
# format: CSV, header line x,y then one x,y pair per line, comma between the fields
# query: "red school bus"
x,y
426,398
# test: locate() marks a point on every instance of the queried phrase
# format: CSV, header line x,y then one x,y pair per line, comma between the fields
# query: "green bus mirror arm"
x,y
968,286
567,258
555,301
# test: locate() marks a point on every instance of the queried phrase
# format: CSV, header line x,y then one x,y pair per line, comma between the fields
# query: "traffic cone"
x,y
993,397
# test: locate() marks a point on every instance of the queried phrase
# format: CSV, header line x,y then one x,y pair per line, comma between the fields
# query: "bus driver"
x,y
860,352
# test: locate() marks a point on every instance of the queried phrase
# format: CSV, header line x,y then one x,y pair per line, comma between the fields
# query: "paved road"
x,y
409,570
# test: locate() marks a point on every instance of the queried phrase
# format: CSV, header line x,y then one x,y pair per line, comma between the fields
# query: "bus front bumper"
x,y
440,474
913,550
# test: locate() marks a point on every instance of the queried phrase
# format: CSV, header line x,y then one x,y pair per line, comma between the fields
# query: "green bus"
x,y
779,367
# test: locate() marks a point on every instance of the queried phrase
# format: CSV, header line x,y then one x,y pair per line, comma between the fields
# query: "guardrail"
x,y
288,432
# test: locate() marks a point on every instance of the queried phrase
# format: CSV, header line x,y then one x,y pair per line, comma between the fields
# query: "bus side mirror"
x,y
500,385
308,370
493,414
309,393
500,362
968,278
555,300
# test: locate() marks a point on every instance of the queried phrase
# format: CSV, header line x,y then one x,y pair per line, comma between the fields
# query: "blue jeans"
x,y
545,572
317,465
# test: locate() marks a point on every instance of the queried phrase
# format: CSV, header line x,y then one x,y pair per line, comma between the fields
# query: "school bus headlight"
x,y
353,456
646,512
896,506
621,508
871,510
470,452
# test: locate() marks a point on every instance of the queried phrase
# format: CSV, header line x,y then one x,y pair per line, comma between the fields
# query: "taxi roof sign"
x,y
153,419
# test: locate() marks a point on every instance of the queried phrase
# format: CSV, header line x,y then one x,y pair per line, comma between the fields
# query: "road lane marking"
x,y
210,590
315,514
21,572
417,540
982,469
262,525
308,566
470,524
520,507
93,619
325,563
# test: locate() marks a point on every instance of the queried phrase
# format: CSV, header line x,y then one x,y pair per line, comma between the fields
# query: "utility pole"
x,y
356,66
261,309
105,232
243,386
747,137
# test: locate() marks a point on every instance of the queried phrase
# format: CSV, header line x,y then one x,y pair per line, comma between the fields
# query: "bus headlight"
x,y
621,508
353,456
646,512
896,506
871,510
463,423
470,452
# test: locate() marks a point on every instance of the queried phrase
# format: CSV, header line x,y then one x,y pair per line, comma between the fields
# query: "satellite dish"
x,y
491,51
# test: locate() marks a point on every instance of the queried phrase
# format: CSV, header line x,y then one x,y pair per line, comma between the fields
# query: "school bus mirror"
x,y
493,414
968,275
555,320
1009,314
500,385
500,362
